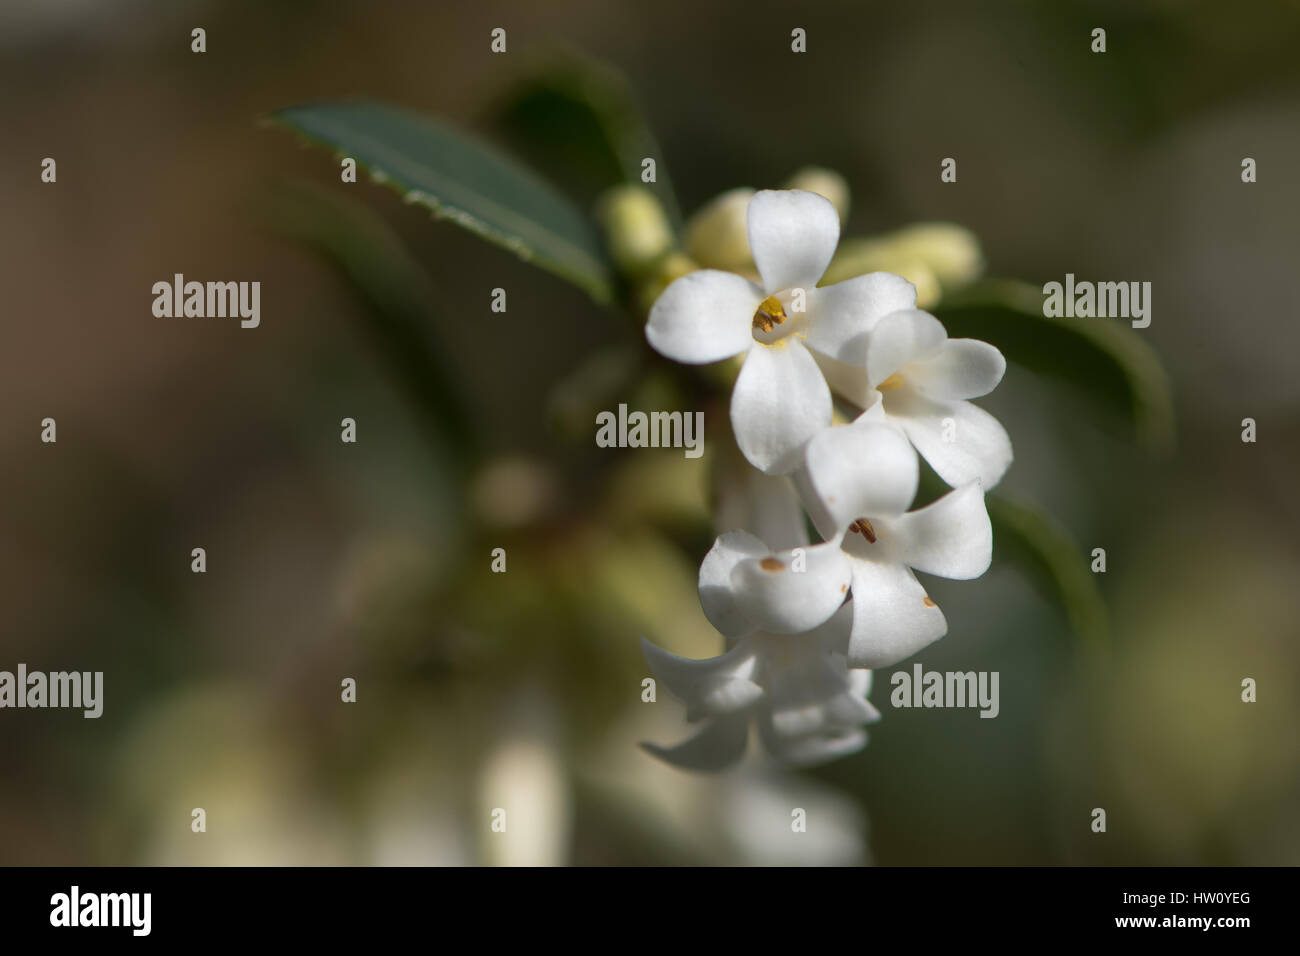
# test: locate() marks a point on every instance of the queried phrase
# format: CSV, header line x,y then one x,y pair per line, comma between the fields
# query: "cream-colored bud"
x,y
636,228
513,491
952,252
666,271
717,236
824,182
857,257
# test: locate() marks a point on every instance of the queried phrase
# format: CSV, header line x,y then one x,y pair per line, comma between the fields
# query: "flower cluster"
x,y
805,623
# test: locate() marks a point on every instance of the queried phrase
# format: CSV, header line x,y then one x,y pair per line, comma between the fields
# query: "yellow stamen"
x,y
769,315
890,383
771,565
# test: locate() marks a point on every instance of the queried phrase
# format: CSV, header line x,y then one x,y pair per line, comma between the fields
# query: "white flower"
x,y
765,505
746,588
780,399
920,378
741,817
787,667
716,234
807,705
857,484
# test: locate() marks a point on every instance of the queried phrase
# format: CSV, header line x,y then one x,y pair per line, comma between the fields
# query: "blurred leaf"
x,y
1037,544
663,489
458,178
1105,358
596,384
394,287
580,116
1030,538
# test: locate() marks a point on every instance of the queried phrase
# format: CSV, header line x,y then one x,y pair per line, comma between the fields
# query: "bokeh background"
x,y
522,690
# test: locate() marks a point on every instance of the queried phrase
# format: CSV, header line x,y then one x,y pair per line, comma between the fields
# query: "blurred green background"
x,y
522,690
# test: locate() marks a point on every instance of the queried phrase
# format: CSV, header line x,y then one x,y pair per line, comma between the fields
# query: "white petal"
x,y
717,685
847,381
843,314
855,471
833,636
980,449
717,596
850,710
874,412
714,687
891,619
719,745
860,679
792,235
964,368
801,684
812,693
779,402
766,504
814,748
781,599
706,316
798,721
951,537
724,697
902,338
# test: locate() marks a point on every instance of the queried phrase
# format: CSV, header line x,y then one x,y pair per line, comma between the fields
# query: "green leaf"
x,y
460,179
580,117
1105,358
1037,544
1030,538
393,285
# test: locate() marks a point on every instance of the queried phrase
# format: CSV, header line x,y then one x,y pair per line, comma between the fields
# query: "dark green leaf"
x,y
465,181
395,288
1105,358
1028,537
579,117
1033,540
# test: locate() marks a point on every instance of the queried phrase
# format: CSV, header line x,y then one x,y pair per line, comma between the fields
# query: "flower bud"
x,y
857,257
665,271
717,236
826,183
636,228
952,252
